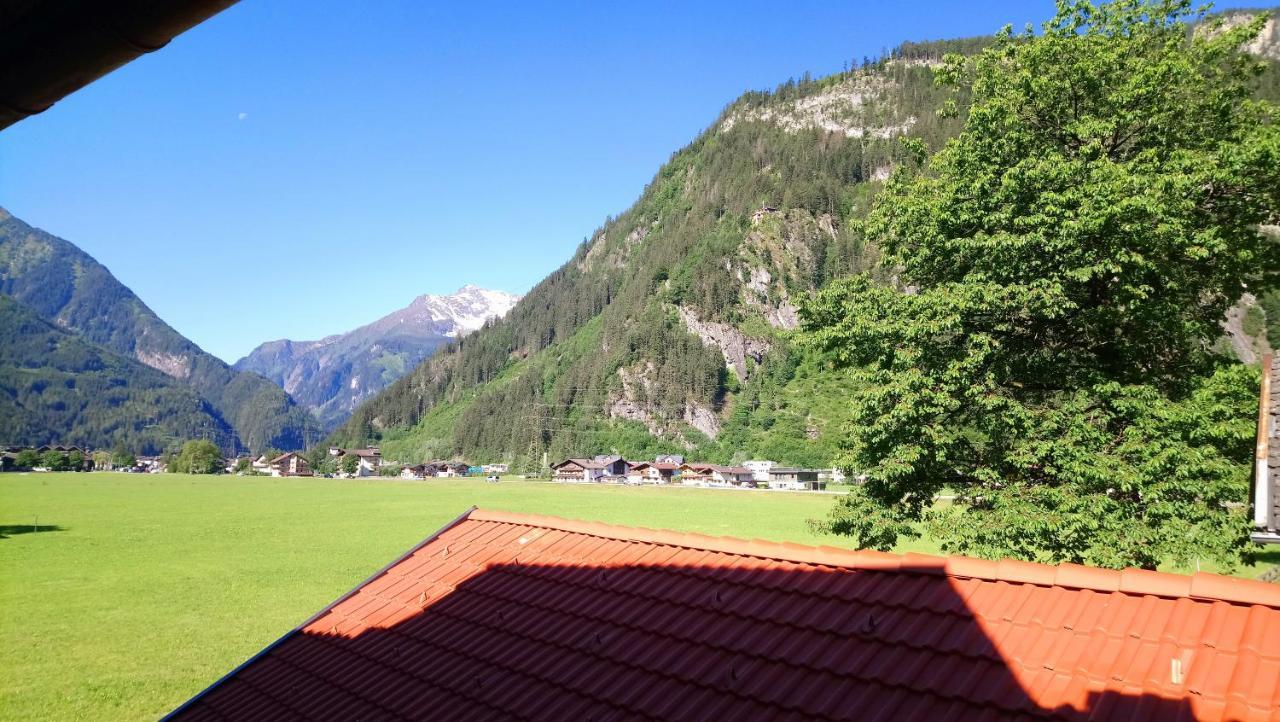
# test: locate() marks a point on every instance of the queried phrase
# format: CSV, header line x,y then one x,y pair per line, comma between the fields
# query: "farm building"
x,y
732,476
370,459
502,615
578,470
416,471
290,464
453,470
760,468
694,473
657,472
701,474
615,467
795,479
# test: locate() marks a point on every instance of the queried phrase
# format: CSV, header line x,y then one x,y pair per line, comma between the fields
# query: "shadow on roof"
x,y
746,638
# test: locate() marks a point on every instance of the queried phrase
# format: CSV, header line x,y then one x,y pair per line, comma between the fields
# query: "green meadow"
x,y
124,595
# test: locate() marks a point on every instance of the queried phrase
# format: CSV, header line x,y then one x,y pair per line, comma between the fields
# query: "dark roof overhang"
x,y
51,48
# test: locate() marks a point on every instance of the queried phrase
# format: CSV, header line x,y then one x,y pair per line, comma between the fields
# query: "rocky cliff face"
x,y
1267,44
333,375
854,108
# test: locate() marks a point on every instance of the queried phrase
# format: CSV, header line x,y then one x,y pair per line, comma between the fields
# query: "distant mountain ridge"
x,y
333,375
69,289
57,387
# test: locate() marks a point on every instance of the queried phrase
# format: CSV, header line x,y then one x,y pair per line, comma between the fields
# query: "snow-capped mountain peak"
x,y
458,313
333,375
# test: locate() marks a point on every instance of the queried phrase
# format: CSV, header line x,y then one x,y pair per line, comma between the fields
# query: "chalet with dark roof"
x,y
615,467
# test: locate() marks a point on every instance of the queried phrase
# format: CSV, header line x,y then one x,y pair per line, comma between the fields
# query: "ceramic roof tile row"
x,y
503,615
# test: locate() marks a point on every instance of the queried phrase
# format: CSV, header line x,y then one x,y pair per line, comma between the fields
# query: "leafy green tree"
x,y
121,457
1270,303
350,463
1063,265
75,461
322,462
53,460
101,460
198,456
27,458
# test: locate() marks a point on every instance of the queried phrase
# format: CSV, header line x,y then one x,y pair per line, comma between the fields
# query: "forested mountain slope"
x,y
56,387
670,328
71,290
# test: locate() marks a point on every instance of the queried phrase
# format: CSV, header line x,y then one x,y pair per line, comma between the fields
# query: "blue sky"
x,y
294,168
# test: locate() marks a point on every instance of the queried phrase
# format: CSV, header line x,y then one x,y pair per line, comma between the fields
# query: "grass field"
x,y
138,591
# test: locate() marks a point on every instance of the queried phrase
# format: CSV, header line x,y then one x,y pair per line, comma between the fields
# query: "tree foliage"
x,y
122,457
54,460
1063,266
27,458
350,463
197,457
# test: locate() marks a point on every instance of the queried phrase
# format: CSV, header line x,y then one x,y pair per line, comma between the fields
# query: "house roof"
x,y
511,615
584,463
660,465
285,456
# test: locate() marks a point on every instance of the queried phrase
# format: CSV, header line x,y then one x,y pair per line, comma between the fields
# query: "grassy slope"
x,y
155,586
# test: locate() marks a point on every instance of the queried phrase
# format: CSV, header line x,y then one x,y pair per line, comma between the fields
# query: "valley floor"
x,y
138,591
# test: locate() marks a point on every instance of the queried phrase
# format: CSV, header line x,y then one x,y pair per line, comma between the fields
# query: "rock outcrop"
x,y
735,346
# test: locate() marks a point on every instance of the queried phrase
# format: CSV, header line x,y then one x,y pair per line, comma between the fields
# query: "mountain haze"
x,y
68,288
333,375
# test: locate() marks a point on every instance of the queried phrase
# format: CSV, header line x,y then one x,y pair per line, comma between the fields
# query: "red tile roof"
x,y
508,615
